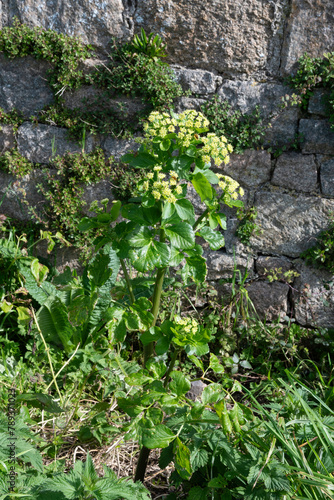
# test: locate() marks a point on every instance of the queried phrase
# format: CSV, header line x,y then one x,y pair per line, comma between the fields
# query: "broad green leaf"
x,y
182,459
181,165
199,458
215,364
38,271
87,223
176,257
197,268
158,437
151,335
24,316
140,237
155,254
53,321
141,159
158,368
212,393
214,238
41,401
198,493
179,384
202,186
168,210
185,210
181,235
165,144
98,269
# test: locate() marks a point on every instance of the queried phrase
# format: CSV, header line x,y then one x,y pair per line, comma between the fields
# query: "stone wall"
x,y
240,51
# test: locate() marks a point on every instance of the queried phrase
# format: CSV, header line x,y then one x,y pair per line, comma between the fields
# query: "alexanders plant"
x,y
158,232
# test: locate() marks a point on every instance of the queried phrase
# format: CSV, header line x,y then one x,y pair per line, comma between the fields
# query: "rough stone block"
x,y
94,21
246,95
196,80
13,200
23,85
318,136
327,178
269,299
263,263
221,265
90,98
7,138
296,171
35,142
230,37
318,103
289,223
118,147
309,29
314,304
98,191
251,169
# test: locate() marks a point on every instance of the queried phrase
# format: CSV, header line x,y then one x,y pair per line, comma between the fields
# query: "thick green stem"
x,y
171,366
199,220
128,282
148,351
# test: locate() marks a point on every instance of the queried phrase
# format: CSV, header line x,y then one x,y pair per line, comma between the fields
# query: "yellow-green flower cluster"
x,y
159,124
189,325
161,188
216,148
185,125
189,122
230,186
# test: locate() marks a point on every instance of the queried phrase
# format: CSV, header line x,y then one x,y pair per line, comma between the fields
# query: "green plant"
x,y
247,226
80,483
14,163
160,232
64,52
242,130
322,253
151,45
137,74
13,118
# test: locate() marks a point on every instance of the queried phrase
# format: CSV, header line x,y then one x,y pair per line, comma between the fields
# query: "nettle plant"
x,y
156,236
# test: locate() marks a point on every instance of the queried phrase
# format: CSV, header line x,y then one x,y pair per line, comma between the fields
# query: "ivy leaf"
x,y
181,235
157,437
202,186
214,238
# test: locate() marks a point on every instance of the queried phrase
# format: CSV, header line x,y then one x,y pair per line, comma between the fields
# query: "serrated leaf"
x,y
53,321
182,459
181,235
199,458
214,238
185,210
215,364
202,186
158,437
212,393
179,383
